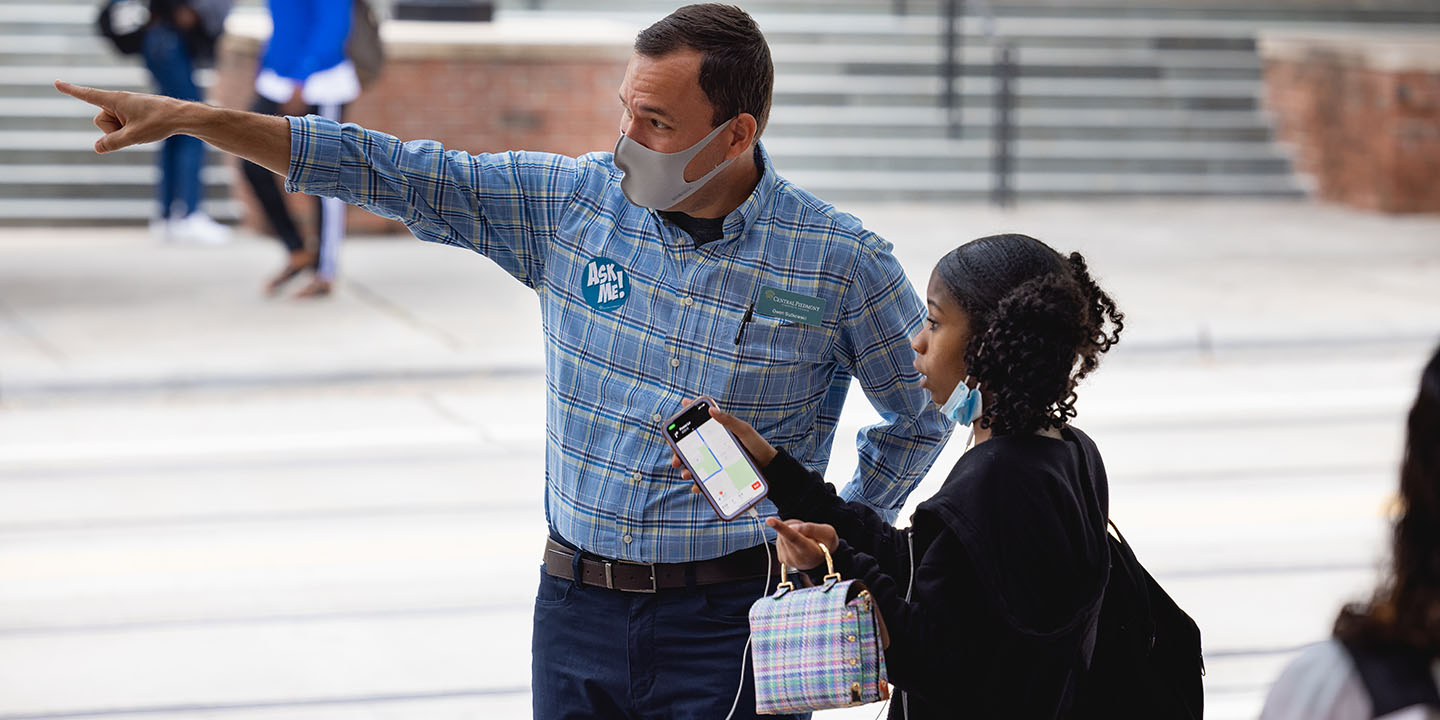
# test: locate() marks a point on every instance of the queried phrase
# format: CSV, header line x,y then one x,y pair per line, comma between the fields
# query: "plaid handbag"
x,y
819,647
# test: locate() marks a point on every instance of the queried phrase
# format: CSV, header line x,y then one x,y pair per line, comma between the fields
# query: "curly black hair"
x,y
1404,612
1037,323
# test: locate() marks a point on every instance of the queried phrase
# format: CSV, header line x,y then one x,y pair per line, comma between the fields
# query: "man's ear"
x,y
741,134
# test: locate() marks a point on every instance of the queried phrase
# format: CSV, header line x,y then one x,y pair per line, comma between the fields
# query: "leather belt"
x,y
626,576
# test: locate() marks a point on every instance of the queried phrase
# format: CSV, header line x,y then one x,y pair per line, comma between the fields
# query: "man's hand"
x,y
136,118
796,542
128,118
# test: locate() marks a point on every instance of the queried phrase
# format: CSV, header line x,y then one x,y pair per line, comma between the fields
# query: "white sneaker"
x,y
198,229
160,229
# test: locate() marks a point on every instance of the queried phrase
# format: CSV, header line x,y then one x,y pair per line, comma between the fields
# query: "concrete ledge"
x,y
1387,50
529,39
1361,108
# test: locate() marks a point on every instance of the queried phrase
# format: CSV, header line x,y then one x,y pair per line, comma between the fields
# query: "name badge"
x,y
785,305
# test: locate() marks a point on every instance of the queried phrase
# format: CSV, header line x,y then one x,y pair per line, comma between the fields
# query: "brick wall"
x,y
492,99
1363,122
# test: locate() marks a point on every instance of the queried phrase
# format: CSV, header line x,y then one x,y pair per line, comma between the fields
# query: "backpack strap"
x,y
1395,678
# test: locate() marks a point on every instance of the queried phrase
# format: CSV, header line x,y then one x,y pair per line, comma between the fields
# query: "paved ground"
x,y
217,505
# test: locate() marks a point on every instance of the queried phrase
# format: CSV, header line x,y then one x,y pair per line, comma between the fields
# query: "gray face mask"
x,y
656,180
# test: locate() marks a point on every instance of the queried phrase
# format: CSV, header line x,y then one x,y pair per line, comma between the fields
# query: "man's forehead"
x,y
675,74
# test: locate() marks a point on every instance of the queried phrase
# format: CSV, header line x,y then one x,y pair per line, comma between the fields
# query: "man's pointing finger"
x,y
90,95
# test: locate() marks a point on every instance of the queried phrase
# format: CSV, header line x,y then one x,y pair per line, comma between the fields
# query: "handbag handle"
x,y
785,584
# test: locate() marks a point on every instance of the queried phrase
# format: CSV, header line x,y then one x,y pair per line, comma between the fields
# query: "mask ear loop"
x,y
970,441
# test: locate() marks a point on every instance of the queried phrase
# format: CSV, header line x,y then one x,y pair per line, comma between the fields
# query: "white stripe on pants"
x,y
332,217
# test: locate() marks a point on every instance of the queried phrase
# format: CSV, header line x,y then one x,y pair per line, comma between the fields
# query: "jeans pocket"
x,y
730,602
553,591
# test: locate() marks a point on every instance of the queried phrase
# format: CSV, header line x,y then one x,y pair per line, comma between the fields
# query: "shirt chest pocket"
x,y
775,364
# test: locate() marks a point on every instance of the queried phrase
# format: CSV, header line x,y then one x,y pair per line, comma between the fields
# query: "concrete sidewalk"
x,y
281,510
85,310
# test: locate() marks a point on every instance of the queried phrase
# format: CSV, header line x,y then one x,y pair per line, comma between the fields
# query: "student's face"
x,y
664,109
940,345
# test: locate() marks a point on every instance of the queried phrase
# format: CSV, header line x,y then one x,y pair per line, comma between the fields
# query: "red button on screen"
x,y
756,486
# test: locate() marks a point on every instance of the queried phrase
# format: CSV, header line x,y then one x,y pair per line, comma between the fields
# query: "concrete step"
x,y
1029,92
98,211
1097,157
960,185
924,147
1343,10
1029,123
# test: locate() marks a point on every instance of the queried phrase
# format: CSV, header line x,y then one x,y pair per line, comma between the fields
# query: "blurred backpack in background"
x,y
363,47
123,23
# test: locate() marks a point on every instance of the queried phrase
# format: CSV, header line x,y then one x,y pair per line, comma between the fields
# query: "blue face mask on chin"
x,y
964,405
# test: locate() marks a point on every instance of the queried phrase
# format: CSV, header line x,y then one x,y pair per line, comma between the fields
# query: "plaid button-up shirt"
x,y
637,319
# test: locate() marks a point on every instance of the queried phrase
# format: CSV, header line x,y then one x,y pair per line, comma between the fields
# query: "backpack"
x,y
123,23
1147,661
1395,678
363,46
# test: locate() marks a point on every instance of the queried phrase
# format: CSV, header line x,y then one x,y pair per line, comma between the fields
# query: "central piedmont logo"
x,y
607,285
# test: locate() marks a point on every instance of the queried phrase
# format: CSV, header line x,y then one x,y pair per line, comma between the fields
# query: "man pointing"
x,y
654,267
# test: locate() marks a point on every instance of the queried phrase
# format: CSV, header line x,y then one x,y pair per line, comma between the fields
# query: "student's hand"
x,y
761,451
795,542
128,118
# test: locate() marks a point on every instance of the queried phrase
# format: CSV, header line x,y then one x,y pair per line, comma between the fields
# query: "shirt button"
x,y
627,538
688,301
657,417
637,477
674,362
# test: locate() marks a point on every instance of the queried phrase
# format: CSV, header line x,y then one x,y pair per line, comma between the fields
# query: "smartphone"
x,y
724,471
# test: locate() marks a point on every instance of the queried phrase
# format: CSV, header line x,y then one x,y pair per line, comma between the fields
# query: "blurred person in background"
x,y
304,70
1383,659
180,37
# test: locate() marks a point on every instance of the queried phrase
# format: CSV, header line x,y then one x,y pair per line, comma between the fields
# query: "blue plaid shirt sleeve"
x,y
880,314
505,206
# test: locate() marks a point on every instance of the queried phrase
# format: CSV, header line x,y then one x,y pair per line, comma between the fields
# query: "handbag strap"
x,y
831,577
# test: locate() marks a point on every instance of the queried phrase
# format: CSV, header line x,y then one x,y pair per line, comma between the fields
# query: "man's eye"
x,y
657,124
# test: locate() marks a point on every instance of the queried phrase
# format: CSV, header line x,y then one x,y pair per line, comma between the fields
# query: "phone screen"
x,y
719,464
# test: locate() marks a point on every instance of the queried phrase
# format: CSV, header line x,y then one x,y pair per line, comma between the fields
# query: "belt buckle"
x,y
610,579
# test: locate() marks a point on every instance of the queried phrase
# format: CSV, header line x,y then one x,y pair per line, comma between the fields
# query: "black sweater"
x,y
1011,566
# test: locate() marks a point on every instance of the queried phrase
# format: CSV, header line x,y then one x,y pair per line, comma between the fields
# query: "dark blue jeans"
x,y
181,156
601,653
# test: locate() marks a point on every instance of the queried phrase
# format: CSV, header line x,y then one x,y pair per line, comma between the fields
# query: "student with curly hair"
x,y
1384,658
991,597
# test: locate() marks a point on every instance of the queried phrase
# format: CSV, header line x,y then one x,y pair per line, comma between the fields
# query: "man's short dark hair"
x,y
736,72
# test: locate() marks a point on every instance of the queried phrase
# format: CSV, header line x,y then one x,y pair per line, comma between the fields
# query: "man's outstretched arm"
x,y
134,118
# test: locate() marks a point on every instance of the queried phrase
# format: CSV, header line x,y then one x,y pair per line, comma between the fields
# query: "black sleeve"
x,y
801,494
935,639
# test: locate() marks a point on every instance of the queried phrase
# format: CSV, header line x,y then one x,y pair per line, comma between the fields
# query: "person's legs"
x,y
181,157
165,186
188,160
266,186
579,667
164,55
332,229
694,653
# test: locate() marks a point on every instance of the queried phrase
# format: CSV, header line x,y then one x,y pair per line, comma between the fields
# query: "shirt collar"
x,y
739,221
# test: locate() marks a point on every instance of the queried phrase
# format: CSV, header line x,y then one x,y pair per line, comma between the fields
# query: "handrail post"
x,y
899,7
950,67
1002,192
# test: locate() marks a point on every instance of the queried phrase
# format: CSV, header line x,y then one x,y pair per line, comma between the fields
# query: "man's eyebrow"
x,y
647,109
